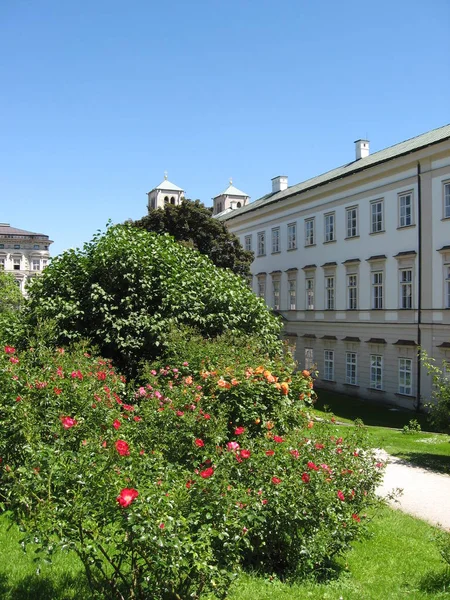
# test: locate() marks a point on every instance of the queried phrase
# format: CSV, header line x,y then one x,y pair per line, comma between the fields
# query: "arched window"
x,y
239,205
172,200
166,198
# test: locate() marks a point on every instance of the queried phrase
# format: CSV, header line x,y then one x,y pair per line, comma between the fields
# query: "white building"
x,y
23,253
357,262
164,193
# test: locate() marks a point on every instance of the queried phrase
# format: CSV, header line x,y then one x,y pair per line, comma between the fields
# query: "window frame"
x,y
377,298
351,368
310,236
377,223
276,240
446,199
261,243
406,301
329,231
328,365
447,285
276,293
405,374
352,288
292,292
310,293
292,236
376,383
261,287
330,292
248,243
402,196
350,226
309,358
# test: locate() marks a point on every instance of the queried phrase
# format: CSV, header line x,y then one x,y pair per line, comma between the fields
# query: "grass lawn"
x,y
425,449
398,561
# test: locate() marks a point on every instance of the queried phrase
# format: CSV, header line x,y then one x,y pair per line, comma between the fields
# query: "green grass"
x,y
399,560
425,449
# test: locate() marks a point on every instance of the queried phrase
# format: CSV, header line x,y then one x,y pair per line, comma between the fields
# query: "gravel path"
x,y
426,494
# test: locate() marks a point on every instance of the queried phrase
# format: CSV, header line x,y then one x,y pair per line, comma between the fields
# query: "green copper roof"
x,y
168,186
406,147
232,191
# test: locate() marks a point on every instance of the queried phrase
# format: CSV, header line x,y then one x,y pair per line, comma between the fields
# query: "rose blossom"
x,y
126,497
68,422
207,473
232,446
116,424
276,480
199,443
245,453
122,448
239,430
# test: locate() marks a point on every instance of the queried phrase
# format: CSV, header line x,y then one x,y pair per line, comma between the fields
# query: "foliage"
x,y
412,427
439,410
191,223
127,288
157,491
10,295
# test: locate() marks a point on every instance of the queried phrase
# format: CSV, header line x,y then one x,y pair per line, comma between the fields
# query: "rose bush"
x,y
166,487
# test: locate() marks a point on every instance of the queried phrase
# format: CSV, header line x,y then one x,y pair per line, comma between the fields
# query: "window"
x,y
328,363
376,213
377,290
219,206
446,288
329,292
2,264
36,264
405,210
350,368
309,286
44,263
352,291
16,246
172,200
276,293
248,243
309,359
352,222
2,245
310,232
166,199
292,293
446,200
261,243
36,247
16,264
292,236
405,376
376,372
329,227
406,288
276,240
262,287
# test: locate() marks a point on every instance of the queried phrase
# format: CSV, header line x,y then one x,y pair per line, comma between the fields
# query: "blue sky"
x,y
98,98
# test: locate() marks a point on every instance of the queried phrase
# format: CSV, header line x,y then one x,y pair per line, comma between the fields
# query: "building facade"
x,y
357,262
23,253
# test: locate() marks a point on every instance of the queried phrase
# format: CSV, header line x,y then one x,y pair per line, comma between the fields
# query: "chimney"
x,y
361,149
279,183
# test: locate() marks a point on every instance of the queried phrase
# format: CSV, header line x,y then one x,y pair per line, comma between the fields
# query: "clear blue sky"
x,y
99,97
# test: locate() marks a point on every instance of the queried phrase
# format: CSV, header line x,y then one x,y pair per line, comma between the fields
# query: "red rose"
x,y
356,518
122,448
276,480
207,473
245,453
295,453
278,439
270,452
312,466
126,497
239,430
319,446
206,416
306,478
199,443
341,496
68,422
116,424
9,350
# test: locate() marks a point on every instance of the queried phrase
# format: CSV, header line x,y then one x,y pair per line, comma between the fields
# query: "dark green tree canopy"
x,y
127,288
192,224
10,295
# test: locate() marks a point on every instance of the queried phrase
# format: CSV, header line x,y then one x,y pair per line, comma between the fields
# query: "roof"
x,y
167,186
232,191
6,229
406,147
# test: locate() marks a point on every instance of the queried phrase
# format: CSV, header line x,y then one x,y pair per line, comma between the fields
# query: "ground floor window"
x,y
350,368
405,376
376,372
309,359
328,359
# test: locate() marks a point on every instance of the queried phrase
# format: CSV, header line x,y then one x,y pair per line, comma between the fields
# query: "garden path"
x,y
426,494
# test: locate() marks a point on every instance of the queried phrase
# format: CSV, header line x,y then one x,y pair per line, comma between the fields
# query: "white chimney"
x,y
279,183
361,149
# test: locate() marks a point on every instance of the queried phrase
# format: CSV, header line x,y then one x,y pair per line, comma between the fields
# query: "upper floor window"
x,y
405,376
376,215
261,243
405,210
329,227
329,292
44,263
166,200
248,243
328,360
352,221
309,293
36,247
36,264
16,264
276,293
352,291
377,289
310,234
292,236
406,288
447,287
292,293
276,240
16,246
446,200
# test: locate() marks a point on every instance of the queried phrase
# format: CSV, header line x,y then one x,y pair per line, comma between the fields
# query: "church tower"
x,y
229,199
164,193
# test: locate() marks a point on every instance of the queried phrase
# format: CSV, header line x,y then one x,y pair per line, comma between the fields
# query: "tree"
x,y
127,288
192,224
10,295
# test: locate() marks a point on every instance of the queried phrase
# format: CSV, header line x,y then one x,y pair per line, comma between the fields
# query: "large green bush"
x,y
128,287
166,489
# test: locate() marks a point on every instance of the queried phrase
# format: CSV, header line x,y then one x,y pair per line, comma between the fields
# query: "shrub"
x,y
439,410
166,489
412,427
128,287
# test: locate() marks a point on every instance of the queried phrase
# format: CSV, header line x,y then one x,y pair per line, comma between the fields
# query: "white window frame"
x,y
352,291
276,246
309,293
248,242
261,286
405,210
405,376
35,264
310,232
406,289
292,292
276,285
351,368
261,236
376,371
330,227
309,358
292,236
351,218
447,286
17,263
328,365
330,292
377,278
377,216
446,199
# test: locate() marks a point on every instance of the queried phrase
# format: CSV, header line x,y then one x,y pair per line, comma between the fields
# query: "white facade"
x,y
23,253
164,193
342,257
